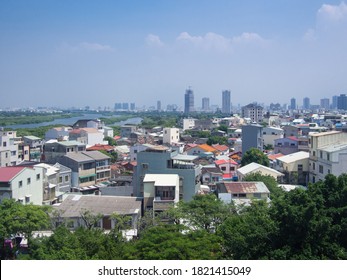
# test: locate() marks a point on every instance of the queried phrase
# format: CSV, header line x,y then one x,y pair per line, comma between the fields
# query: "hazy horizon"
x,y
97,53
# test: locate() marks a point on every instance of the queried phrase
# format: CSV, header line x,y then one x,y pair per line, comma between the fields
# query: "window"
x,y
20,184
313,166
314,153
13,153
223,168
328,156
66,178
320,168
257,195
300,168
4,144
60,179
28,181
38,176
27,199
321,154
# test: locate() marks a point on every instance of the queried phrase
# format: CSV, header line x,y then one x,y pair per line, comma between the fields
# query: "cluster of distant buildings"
x,y
74,168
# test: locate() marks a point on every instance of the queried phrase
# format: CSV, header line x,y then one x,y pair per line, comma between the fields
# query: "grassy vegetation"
x,y
13,118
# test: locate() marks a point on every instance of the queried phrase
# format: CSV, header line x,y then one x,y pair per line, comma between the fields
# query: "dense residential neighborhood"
x,y
87,177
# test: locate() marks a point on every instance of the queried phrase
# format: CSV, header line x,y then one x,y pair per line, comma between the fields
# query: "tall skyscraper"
x,y
206,104
325,103
158,105
188,101
306,103
342,102
132,106
226,104
293,103
334,102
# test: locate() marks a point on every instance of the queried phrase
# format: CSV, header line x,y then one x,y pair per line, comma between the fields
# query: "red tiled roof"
x,y
223,161
293,138
207,148
220,147
8,173
116,137
100,147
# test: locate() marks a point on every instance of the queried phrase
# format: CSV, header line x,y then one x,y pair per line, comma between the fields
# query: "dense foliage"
x,y
300,224
255,155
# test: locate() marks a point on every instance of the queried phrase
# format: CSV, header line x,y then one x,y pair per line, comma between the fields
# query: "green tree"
x,y
248,236
254,155
268,180
205,212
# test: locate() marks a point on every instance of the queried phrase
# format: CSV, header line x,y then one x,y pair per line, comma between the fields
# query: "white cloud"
x,y
95,47
154,41
213,41
247,37
333,12
85,46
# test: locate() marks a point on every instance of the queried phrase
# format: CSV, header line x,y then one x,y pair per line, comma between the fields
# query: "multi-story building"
x,y
328,152
205,104
158,105
306,103
293,104
188,101
325,103
53,150
88,168
58,133
342,102
226,102
8,148
171,135
253,112
161,191
162,160
270,134
89,136
23,184
35,146
295,167
126,130
252,137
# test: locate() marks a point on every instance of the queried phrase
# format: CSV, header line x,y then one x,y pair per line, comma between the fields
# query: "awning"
x,y
87,176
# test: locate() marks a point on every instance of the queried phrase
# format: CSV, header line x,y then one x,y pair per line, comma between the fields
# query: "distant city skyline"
x,y
95,53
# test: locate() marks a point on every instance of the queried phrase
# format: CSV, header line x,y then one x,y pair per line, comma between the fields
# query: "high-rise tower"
x,y
188,101
226,105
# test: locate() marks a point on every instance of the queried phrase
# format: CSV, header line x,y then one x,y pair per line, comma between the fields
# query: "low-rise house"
x,y
58,133
88,168
286,145
258,168
295,167
229,191
23,184
222,149
35,147
202,149
270,134
89,136
210,175
74,208
161,191
54,150
228,168
8,148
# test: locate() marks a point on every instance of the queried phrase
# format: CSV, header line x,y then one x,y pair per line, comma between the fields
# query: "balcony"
x,y
162,204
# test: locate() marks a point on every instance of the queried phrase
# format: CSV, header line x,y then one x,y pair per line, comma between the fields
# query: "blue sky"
x,y
77,53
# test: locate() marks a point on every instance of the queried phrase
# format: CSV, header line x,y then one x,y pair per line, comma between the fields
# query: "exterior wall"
x,y
26,187
270,134
188,124
93,138
57,134
157,163
8,149
252,137
285,146
171,135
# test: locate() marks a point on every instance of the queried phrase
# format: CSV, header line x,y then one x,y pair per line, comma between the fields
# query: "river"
x,y
71,121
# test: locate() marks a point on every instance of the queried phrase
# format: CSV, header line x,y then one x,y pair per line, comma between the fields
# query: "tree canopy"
x,y
255,155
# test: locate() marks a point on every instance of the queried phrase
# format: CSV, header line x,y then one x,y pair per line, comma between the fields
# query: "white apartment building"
x,y
171,135
8,148
328,153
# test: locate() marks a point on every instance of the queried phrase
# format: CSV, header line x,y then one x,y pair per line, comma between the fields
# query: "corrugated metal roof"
x,y
96,155
184,157
246,187
74,205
